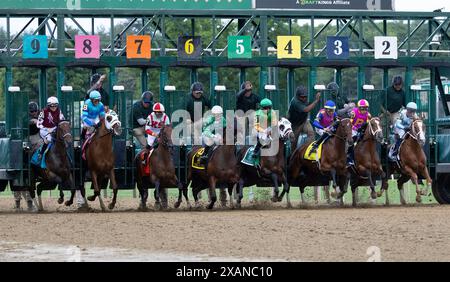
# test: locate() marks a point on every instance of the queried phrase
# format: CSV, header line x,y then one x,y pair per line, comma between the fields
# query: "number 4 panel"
x,y
386,47
87,46
288,47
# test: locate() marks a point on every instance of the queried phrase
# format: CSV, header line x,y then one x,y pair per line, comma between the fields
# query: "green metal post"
x,y
361,81
386,81
312,81
290,84
338,78
42,87
263,75
8,108
194,75
242,76
144,80
163,79
213,81
112,82
59,82
408,83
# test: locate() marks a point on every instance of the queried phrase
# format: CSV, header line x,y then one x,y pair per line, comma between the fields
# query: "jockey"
x,y
209,133
359,116
265,119
48,121
155,121
323,123
402,124
93,111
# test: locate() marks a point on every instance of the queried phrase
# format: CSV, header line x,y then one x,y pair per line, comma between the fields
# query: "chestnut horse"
x,y
58,169
413,162
162,171
367,160
302,172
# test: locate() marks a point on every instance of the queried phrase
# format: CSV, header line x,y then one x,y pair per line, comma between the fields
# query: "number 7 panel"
x,y
138,47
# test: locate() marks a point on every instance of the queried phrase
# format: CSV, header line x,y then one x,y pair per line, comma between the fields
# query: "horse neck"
x,y
101,138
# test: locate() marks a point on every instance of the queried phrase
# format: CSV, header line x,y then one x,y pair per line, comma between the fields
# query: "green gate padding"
x,y
444,148
4,152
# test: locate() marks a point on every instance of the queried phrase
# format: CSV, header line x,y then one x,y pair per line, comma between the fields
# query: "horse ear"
x,y
115,108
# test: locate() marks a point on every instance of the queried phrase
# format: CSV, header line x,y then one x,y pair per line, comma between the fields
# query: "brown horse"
x,y
162,173
302,172
58,169
272,169
367,160
100,157
413,162
221,171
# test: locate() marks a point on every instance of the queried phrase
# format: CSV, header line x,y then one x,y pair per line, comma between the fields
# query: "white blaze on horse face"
x,y
284,127
421,133
112,122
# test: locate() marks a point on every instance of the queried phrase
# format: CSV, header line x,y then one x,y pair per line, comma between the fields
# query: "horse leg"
x,y
373,193
212,192
241,192
231,188
223,198
286,188
425,174
185,194
61,195
276,190
415,180
39,192
95,183
157,195
180,195
354,188
402,180
302,194
112,177
327,194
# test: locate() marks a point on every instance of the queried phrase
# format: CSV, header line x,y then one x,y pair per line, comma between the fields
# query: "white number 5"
x,y
240,47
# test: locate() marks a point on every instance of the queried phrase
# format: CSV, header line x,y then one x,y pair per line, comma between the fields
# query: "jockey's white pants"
x,y
354,132
151,139
320,131
210,141
400,132
264,138
46,134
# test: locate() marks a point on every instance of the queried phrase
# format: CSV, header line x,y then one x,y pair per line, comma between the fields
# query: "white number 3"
x,y
338,47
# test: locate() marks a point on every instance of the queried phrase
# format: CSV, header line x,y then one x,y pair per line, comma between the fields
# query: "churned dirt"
x,y
268,232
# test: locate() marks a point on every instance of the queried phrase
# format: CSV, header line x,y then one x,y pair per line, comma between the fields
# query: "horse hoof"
x,y
379,194
91,198
111,206
177,205
223,204
210,206
60,200
289,206
84,208
373,195
274,199
419,199
68,203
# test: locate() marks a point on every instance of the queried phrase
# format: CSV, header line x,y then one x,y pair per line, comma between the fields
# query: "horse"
x,y
367,160
221,170
162,173
100,157
58,171
303,172
272,170
413,162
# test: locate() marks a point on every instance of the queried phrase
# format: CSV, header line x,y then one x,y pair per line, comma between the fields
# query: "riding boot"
x,y
41,153
317,143
256,150
396,147
350,156
83,135
205,155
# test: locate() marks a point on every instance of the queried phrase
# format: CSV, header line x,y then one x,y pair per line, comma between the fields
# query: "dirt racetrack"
x,y
412,233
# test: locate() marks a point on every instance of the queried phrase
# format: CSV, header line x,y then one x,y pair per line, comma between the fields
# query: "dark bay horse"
x,y
272,171
162,171
100,156
221,171
367,160
58,169
303,172
413,162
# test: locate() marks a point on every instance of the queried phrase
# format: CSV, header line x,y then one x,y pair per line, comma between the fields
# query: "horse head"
x,y
375,130
165,137
344,130
418,131
113,123
285,130
63,132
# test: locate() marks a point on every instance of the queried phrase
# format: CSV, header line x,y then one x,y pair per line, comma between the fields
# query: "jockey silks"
x,y
91,112
49,119
358,118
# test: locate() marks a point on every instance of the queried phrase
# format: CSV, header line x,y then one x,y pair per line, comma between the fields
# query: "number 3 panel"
x,y
386,47
138,47
338,47
87,46
35,47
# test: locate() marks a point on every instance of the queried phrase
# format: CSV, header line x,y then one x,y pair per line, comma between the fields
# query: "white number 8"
x,y
338,50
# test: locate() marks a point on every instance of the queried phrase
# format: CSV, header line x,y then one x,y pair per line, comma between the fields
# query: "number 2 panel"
x,y
386,47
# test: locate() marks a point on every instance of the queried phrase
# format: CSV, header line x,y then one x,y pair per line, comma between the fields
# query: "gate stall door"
x,y
122,103
279,100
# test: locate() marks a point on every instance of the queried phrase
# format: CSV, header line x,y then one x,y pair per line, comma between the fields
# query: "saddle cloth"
x,y
145,158
248,158
196,159
315,156
85,145
35,158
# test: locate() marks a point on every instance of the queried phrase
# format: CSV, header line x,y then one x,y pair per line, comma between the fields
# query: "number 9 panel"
x,y
35,47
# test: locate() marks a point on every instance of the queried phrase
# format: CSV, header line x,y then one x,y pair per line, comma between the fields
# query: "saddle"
x,y
196,159
314,156
145,159
35,158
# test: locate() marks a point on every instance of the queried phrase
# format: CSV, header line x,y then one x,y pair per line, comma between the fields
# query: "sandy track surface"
x,y
412,233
